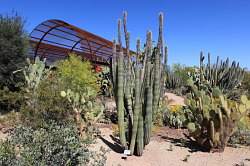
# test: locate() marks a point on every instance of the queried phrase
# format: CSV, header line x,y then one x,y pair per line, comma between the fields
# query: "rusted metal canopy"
x,y
55,39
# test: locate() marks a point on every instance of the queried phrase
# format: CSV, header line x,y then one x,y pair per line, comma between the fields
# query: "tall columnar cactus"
x,y
216,117
137,79
227,77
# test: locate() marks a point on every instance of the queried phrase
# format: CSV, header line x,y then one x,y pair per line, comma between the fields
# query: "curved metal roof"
x,y
55,39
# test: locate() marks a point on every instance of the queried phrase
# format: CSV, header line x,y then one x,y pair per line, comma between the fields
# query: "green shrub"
x,y
53,144
240,137
13,46
49,104
10,100
104,80
182,72
177,116
77,74
7,154
246,83
173,83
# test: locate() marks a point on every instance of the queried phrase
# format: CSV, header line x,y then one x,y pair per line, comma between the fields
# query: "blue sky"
x,y
221,27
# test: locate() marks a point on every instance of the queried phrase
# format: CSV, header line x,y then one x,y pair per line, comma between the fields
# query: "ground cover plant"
x,y
52,144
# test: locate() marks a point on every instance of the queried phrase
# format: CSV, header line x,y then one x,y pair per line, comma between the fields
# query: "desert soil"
x,y
169,147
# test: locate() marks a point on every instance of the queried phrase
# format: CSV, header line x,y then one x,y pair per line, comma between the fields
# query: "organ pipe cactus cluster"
x,y
137,83
173,81
221,74
215,117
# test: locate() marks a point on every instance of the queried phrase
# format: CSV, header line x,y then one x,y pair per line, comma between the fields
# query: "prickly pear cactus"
x,y
216,116
82,106
34,73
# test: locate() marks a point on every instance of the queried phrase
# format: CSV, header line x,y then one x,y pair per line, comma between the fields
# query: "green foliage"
x,y
7,154
49,104
10,100
242,133
173,83
77,74
240,137
44,88
13,46
215,116
53,144
34,73
177,116
246,83
80,90
104,80
182,71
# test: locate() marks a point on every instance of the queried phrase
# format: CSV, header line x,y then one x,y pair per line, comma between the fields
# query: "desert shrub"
x,y
177,116
77,74
182,71
10,100
53,144
105,83
49,104
7,154
159,114
13,46
240,137
80,91
242,133
173,83
44,88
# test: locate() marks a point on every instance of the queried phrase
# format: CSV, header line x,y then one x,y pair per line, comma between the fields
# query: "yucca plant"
x,y
137,81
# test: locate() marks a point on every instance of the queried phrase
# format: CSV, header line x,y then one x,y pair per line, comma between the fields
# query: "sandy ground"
x,y
164,150
173,99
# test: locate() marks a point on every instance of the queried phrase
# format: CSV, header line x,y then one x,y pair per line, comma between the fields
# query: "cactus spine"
x,y
137,87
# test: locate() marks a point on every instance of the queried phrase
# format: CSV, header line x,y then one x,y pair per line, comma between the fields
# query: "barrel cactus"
x,y
137,79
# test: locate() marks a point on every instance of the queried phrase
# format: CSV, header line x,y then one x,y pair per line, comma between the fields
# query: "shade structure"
x,y
55,39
